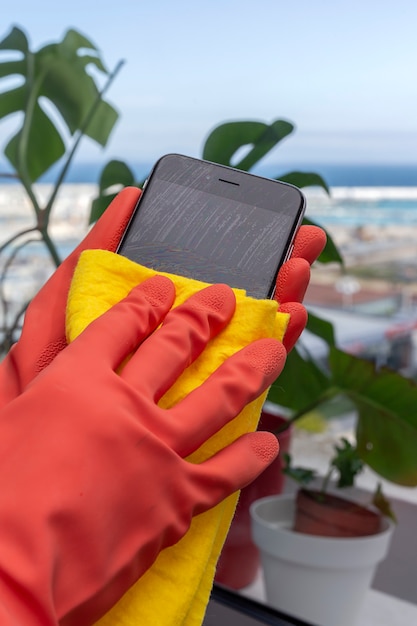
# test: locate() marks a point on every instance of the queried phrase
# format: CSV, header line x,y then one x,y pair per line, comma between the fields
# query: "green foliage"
x,y
114,176
225,140
382,504
56,73
387,418
302,475
321,328
347,463
301,384
304,179
385,401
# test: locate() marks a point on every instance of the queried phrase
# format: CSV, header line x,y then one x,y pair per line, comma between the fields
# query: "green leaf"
x,y
304,179
99,205
9,68
15,40
116,173
383,504
12,101
73,42
58,73
88,59
74,93
102,124
225,140
347,462
321,328
301,475
387,416
45,144
300,385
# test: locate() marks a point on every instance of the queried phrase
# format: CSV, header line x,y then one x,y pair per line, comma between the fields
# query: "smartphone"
x,y
214,223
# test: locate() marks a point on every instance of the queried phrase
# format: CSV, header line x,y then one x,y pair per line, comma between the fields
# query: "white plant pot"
x,y
321,580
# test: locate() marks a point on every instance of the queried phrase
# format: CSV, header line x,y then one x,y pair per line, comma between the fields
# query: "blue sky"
x,y
345,72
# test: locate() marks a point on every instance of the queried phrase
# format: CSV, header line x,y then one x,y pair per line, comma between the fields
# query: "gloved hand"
x,y
43,335
93,478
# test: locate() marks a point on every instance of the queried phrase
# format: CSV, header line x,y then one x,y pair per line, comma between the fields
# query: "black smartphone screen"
x,y
213,224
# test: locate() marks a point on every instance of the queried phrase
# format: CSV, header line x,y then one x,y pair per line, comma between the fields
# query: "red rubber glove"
x,y
43,335
93,478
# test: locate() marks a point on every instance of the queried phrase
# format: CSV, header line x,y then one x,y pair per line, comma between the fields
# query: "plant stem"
x,y
326,480
16,236
32,89
52,249
9,261
8,339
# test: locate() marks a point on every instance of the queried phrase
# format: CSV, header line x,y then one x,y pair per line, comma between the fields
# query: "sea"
x,y
360,194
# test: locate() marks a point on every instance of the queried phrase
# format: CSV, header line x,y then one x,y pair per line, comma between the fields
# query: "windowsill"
x,y
379,609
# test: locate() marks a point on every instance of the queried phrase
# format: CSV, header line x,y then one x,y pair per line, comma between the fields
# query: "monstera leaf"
x,y
258,138
114,176
225,140
57,75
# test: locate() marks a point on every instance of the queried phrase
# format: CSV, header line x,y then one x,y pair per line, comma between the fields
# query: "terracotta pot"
x,y
327,515
239,561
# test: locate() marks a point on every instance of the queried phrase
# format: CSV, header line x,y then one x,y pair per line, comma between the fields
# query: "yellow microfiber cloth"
x,y
176,589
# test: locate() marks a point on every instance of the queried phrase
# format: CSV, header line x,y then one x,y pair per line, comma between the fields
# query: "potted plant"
x,y
316,545
295,533
323,513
